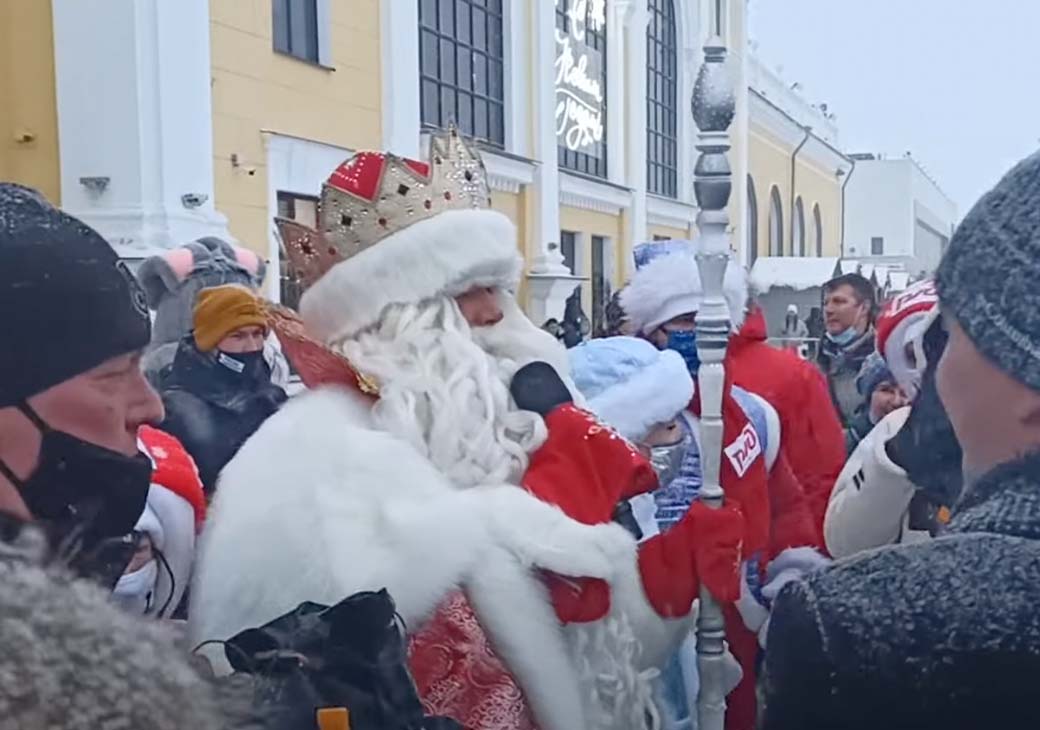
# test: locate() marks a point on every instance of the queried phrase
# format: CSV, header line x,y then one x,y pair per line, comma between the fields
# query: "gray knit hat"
x,y
989,279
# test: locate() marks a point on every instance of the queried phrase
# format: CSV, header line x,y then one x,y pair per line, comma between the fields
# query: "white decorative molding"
x,y
778,91
580,192
518,64
507,174
671,213
399,28
323,9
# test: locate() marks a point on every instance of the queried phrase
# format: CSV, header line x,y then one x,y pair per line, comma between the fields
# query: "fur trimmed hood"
x,y
631,384
670,285
444,255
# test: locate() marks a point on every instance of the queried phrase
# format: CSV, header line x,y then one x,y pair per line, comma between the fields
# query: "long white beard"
x,y
448,397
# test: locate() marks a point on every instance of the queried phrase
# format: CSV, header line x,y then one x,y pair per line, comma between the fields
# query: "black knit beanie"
x,y
67,303
989,279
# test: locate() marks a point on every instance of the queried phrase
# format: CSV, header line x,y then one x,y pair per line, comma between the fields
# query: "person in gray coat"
x,y
945,634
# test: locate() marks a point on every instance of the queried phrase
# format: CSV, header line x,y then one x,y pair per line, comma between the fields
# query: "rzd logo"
x,y
744,450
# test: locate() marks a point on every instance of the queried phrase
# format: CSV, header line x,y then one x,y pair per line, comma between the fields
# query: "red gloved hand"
x,y
717,548
702,547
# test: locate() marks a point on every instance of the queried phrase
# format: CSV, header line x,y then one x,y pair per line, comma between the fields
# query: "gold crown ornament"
x,y
374,195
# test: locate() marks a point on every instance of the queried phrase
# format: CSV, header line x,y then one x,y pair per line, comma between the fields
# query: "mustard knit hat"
x,y
220,310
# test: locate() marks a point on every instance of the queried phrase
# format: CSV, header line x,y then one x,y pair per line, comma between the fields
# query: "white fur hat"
x,y
630,384
447,254
669,285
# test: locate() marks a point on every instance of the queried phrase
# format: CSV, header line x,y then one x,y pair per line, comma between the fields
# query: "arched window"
x,y
581,85
461,67
751,221
818,229
798,230
776,224
662,78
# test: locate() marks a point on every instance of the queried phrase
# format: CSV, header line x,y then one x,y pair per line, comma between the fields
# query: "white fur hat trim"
x,y
670,286
444,255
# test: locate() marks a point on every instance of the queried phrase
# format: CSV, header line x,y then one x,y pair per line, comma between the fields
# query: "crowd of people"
x,y
461,523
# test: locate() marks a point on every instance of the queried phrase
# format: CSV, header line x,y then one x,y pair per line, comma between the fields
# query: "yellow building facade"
x,y
581,109
796,173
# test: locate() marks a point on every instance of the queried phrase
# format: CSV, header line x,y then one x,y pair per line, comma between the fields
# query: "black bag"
x,y
351,655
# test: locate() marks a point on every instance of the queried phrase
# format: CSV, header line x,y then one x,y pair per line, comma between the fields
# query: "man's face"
x,y
103,406
243,340
843,309
480,306
682,323
994,416
886,398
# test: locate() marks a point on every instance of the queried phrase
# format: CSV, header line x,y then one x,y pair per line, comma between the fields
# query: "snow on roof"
x,y
848,266
866,270
898,281
797,272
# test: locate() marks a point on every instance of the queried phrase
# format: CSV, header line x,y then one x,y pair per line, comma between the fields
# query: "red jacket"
x,y
812,437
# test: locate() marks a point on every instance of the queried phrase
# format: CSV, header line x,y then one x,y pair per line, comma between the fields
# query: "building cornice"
x,y
577,191
507,173
668,212
786,129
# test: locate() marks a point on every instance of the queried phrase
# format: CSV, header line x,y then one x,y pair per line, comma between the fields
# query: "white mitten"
x,y
751,611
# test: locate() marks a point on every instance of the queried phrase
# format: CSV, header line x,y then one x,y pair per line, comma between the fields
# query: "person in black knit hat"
x,y
72,395
945,634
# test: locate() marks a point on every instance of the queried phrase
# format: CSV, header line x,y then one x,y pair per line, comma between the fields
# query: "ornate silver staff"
x,y
713,110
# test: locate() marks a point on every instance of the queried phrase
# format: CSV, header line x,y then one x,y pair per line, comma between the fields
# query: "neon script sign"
x,y
579,73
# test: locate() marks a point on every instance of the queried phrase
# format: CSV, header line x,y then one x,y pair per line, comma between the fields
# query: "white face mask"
x,y
134,591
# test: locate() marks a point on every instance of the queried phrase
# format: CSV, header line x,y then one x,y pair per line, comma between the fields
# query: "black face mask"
x,y
87,498
247,365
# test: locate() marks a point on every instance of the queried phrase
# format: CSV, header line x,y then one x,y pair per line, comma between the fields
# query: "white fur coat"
x,y
318,505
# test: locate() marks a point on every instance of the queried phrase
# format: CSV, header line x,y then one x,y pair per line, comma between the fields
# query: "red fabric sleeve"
x,y
585,468
817,445
744,480
792,523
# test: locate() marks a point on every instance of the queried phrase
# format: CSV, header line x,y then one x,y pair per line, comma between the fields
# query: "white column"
x,y
618,99
135,120
399,41
549,281
635,107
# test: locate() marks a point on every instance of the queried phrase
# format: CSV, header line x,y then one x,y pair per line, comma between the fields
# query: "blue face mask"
x,y
685,343
843,338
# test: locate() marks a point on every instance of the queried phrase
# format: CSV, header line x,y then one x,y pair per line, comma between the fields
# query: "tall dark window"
x,y
460,66
296,28
877,246
662,120
601,292
581,85
302,209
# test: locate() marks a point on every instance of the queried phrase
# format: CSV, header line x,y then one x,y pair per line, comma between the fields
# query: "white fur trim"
x,y
353,490
670,286
444,255
655,395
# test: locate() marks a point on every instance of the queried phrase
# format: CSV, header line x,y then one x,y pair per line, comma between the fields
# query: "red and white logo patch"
x,y
744,450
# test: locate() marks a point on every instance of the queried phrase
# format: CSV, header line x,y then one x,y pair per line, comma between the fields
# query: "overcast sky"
x,y
956,83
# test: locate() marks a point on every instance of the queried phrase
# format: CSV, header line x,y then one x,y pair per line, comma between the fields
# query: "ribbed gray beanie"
x,y
989,279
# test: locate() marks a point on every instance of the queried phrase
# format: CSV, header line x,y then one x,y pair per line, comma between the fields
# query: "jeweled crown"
x,y
374,195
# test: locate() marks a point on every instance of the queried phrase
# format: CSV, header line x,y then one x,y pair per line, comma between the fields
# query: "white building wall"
x,y
879,203
897,200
